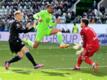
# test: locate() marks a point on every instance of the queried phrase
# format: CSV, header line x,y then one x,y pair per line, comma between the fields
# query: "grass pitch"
x,y
58,64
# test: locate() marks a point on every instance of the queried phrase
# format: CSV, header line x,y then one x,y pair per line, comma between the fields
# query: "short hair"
x,y
74,23
85,20
17,12
49,5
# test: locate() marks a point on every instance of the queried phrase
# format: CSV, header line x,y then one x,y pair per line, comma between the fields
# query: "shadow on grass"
x,y
56,73
20,71
101,73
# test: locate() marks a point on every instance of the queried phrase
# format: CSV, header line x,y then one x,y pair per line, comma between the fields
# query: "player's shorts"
x,y
89,51
15,45
41,34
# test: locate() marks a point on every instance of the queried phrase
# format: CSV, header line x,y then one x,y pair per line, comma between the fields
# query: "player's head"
x,y
18,15
50,8
74,23
84,22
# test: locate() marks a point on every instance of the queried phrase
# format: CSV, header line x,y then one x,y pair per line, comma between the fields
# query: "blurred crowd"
x,y
96,16
63,9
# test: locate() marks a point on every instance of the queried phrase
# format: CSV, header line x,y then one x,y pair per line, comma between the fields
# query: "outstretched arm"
x,y
53,24
26,30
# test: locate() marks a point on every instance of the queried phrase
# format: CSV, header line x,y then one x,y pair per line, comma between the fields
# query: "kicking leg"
x,y
59,37
30,58
30,43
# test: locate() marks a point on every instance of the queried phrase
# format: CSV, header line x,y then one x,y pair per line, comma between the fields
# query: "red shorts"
x,y
90,50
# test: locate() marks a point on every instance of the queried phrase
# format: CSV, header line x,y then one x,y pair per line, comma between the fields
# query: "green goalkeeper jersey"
x,y
47,20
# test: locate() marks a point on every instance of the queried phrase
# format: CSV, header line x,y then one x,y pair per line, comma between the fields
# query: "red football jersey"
x,y
89,37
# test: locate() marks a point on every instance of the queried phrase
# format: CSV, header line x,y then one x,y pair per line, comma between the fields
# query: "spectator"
x,y
68,18
63,18
102,9
2,25
75,28
63,8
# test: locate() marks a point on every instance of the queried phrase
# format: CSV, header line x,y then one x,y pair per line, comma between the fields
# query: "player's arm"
x,y
29,27
83,36
22,30
82,33
38,16
54,23
34,24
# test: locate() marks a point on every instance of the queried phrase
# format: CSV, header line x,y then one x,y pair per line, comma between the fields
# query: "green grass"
x,y
57,64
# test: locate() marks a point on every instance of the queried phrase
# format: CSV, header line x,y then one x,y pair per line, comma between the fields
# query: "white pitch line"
x,y
6,49
71,68
49,69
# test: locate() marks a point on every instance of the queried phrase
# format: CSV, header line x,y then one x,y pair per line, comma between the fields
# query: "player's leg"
x,y
38,38
59,37
25,50
36,44
15,46
85,56
90,52
92,63
16,58
79,60
32,44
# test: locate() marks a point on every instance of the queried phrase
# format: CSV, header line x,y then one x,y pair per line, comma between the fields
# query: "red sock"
x,y
79,61
88,61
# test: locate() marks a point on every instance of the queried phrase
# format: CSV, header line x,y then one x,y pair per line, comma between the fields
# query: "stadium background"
x,y
58,62
68,10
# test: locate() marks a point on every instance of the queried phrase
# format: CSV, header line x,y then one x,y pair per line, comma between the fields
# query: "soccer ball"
x,y
79,51
76,46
